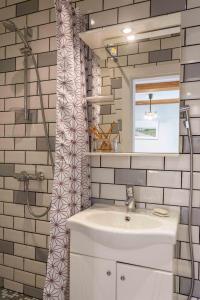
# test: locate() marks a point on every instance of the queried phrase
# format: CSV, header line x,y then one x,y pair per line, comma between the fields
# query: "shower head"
x,y
9,25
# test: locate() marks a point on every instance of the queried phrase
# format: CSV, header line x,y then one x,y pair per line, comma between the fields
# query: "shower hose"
x,y
26,183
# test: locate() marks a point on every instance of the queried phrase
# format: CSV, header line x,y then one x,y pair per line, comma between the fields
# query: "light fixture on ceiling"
x,y
131,37
150,115
127,30
92,22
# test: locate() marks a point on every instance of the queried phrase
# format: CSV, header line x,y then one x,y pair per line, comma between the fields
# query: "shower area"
x,y
27,145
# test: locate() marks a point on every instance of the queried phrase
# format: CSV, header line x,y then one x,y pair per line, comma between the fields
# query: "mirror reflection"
x,y
137,110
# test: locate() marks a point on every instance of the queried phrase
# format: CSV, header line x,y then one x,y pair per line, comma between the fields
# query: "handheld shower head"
x,y
9,25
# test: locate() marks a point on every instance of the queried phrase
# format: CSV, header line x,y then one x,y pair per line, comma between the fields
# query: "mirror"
x,y
138,109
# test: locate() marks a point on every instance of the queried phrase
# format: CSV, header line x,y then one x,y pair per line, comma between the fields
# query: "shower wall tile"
x,y
6,272
7,65
116,3
34,267
161,7
192,72
6,247
24,251
7,13
41,254
13,236
23,224
13,286
7,39
104,18
38,18
45,4
90,6
47,59
47,30
134,12
27,7
159,56
33,292
13,261
193,35
24,277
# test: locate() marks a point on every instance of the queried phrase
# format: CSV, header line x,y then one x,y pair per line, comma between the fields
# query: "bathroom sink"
x,y
113,227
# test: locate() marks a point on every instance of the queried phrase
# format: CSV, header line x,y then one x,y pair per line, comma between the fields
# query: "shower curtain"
x,y
71,188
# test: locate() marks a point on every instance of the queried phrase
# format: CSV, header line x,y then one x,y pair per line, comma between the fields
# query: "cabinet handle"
x,y
123,278
108,273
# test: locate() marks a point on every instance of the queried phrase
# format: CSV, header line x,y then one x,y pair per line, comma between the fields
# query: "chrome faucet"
x,y
130,200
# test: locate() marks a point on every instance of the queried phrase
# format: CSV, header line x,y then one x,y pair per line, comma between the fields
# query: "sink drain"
x,y
127,218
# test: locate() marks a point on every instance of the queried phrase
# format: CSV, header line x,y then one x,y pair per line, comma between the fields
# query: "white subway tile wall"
x,y
159,181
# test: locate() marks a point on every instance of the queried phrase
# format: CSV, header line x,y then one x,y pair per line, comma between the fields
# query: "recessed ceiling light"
x,y
127,30
92,22
131,37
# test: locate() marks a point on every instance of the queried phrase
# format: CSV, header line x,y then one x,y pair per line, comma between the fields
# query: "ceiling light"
x,y
150,116
92,22
127,30
131,37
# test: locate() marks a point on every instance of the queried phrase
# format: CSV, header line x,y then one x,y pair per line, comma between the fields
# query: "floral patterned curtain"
x,y
71,187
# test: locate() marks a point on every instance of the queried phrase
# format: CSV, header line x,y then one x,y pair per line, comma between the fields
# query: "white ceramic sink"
x,y
108,226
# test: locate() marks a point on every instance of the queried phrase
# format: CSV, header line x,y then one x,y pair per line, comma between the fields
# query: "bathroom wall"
x,y
24,240
157,180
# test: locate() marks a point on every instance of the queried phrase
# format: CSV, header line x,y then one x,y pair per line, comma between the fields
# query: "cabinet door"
x,y
138,283
92,278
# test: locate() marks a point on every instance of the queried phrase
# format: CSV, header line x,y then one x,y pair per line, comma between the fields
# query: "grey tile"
x,y
195,216
192,72
42,144
20,197
105,109
41,254
162,7
27,7
7,169
7,65
116,83
47,59
1,282
160,55
33,292
196,144
185,287
6,247
20,117
102,201
184,215
132,177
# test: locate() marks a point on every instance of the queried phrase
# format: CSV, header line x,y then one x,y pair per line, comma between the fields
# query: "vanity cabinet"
x,y
137,283
99,279
92,278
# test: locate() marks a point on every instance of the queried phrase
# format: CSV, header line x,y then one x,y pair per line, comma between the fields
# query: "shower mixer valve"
x,y
24,176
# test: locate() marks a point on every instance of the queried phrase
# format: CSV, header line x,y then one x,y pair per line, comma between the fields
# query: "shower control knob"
x,y
108,273
123,278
